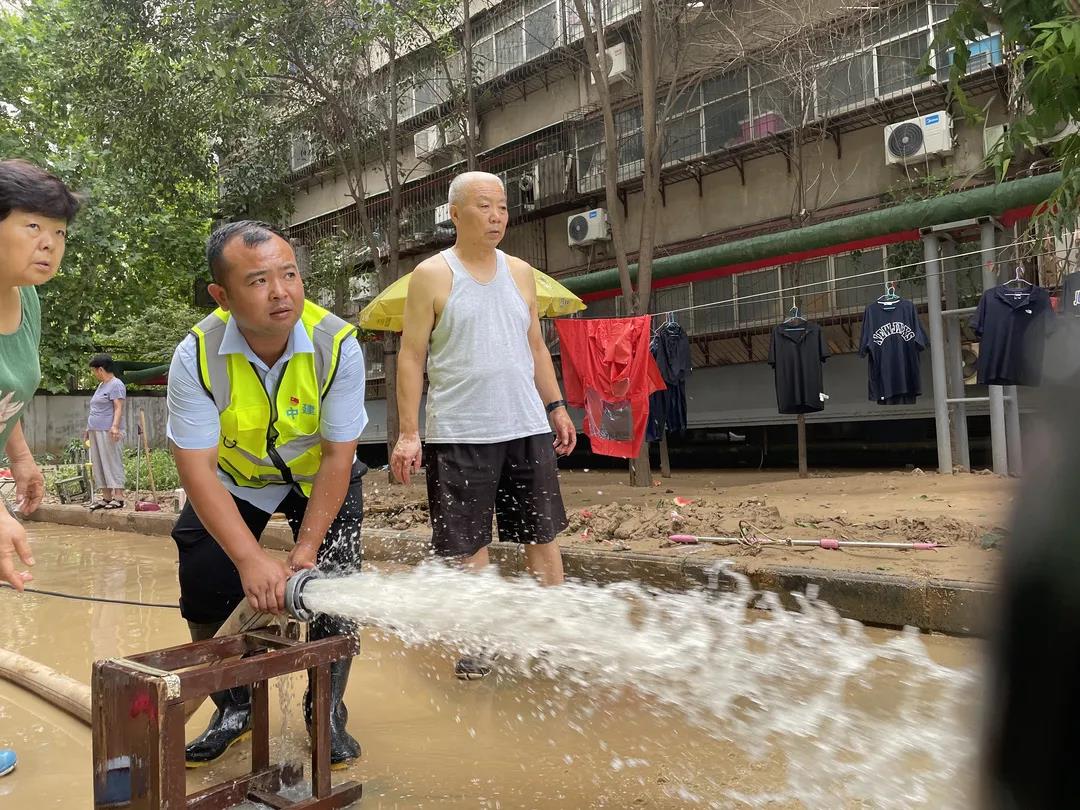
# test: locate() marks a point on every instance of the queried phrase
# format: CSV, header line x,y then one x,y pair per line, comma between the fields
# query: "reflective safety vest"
x,y
271,438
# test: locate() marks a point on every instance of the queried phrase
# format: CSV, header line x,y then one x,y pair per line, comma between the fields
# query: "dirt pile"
x,y
623,526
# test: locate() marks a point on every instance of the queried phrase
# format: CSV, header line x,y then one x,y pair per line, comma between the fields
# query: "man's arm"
x,y
342,419
547,383
263,576
328,492
418,321
194,423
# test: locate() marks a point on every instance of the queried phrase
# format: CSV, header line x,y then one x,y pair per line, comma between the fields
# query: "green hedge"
x,y
165,475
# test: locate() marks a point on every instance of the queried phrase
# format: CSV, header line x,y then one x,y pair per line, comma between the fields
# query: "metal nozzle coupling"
x,y
294,595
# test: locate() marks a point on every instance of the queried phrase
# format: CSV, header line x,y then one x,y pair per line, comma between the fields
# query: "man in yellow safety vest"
x,y
266,403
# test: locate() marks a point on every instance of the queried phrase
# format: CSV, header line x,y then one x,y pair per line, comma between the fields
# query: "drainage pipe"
x,y
59,690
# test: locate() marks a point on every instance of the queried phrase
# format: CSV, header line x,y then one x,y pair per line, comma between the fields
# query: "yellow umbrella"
x,y
386,310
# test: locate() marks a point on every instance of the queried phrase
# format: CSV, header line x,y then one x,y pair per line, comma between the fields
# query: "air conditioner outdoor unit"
x,y
529,185
442,215
363,285
992,136
587,227
454,133
1064,130
917,138
428,142
618,64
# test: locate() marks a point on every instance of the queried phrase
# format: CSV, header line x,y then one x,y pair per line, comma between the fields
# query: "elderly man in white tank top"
x,y
493,397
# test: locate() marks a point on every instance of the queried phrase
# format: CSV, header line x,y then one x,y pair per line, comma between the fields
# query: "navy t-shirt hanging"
x,y
796,353
1011,326
670,347
1070,295
892,338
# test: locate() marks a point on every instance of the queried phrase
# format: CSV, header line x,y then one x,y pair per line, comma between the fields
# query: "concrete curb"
x,y
945,606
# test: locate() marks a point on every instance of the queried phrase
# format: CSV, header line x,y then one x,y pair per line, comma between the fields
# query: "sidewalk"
x,y
949,605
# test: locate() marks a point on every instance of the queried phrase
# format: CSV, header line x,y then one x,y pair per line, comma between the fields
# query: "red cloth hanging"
x,y
609,371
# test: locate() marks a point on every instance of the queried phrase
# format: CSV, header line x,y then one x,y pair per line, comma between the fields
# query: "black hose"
x,y
93,598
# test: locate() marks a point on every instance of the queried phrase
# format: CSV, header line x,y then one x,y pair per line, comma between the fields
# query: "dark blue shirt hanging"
x,y
892,338
670,348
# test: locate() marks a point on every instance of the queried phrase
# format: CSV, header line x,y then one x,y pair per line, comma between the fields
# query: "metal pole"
x,y
937,352
801,425
988,247
954,367
1012,430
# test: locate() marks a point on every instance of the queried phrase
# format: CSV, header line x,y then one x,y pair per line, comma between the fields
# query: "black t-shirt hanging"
x,y
892,337
1070,295
1011,326
796,353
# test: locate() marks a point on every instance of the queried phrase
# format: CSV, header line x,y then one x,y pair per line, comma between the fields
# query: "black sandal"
x,y
93,507
114,504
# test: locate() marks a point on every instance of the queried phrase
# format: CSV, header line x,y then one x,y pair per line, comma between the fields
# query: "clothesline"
x,y
786,292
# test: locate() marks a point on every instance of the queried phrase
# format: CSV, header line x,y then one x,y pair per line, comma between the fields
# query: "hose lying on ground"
x,y
59,690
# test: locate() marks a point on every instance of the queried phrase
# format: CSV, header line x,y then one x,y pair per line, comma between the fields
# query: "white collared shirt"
x,y
194,423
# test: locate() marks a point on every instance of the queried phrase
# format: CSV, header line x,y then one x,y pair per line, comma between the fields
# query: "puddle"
x,y
429,740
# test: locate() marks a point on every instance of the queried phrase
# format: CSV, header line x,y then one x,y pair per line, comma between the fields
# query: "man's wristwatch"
x,y
551,406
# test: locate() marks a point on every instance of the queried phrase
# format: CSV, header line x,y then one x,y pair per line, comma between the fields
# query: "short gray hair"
x,y
465,179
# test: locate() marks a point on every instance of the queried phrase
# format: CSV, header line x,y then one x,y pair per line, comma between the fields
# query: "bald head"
x,y
463,185
478,209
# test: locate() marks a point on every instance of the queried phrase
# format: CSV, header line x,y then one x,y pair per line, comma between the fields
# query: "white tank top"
x,y
480,367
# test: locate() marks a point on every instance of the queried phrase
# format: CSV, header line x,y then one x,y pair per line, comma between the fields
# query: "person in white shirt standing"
x,y
266,403
493,398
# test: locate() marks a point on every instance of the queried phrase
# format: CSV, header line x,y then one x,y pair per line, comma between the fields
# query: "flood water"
x,y
429,740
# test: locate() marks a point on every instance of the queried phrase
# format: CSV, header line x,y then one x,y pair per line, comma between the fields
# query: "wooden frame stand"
x,y
139,715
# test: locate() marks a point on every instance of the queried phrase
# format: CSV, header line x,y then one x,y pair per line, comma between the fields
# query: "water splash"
x,y
853,720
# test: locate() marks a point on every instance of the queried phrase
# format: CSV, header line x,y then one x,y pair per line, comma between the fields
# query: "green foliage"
x,y
151,333
119,101
1041,41
161,463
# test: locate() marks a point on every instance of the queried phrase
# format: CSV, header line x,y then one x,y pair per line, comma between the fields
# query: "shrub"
x,y
164,468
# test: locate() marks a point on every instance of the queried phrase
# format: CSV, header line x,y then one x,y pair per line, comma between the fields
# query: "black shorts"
x,y
210,586
517,480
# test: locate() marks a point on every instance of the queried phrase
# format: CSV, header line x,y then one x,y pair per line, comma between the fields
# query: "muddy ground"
x,y
968,512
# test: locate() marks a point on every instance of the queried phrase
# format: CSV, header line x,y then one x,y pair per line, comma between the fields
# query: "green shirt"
x,y
20,368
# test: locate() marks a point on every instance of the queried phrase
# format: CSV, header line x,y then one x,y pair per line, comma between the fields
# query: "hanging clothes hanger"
x,y
1024,285
794,320
890,298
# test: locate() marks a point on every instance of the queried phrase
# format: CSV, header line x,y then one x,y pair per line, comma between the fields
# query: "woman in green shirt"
x,y
35,209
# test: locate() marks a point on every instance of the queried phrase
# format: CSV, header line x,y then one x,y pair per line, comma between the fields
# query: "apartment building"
x,y
753,146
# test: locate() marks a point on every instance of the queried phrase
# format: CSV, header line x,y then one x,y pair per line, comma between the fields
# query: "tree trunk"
x,y
595,49
471,127
640,470
393,263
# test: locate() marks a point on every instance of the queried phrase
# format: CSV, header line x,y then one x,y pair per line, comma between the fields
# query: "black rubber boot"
x,y
343,747
230,723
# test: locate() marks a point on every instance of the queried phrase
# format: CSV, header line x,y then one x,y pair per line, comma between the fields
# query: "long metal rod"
x,y
954,367
1012,430
951,400
998,452
958,312
931,254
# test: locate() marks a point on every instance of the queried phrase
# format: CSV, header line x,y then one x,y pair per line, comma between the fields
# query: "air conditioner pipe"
x,y
906,218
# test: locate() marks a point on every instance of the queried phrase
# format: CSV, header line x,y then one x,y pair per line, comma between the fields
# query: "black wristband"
x,y
559,403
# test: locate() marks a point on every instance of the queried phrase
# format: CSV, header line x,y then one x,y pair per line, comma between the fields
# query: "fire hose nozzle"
x,y
294,595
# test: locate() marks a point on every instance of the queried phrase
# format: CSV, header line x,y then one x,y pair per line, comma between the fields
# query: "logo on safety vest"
x,y
306,408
